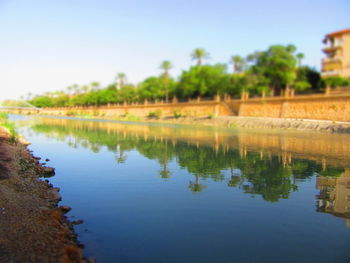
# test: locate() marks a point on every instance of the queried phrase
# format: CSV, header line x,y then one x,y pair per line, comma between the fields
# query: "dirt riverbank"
x,y
32,227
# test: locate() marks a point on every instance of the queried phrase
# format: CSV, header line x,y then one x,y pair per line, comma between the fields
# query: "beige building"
x,y
337,51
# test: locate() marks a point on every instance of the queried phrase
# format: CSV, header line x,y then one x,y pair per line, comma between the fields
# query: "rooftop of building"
x,y
338,33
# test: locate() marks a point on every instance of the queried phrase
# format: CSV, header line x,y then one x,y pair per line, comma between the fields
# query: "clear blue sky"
x,y
48,45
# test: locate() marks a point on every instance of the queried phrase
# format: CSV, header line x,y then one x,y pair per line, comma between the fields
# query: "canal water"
x,y
167,193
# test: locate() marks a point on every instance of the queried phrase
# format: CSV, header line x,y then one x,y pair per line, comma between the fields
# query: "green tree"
x,y
236,85
277,65
165,173
238,63
95,85
121,78
62,100
308,79
152,88
128,93
206,80
301,85
291,48
42,101
199,54
256,84
75,89
85,88
195,186
166,66
302,82
69,89
300,57
337,81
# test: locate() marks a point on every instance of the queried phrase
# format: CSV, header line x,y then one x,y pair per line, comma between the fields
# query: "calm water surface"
x,y
161,193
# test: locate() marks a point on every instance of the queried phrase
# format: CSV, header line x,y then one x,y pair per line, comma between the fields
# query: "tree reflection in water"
x,y
273,176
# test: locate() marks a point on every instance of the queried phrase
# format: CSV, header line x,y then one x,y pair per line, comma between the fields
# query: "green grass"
x,y
71,113
155,114
9,126
211,115
131,117
3,116
177,114
127,117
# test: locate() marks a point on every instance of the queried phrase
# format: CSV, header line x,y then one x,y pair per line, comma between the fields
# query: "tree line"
x,y
274,71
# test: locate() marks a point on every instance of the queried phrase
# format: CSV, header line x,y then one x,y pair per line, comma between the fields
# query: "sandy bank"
x,y
32,227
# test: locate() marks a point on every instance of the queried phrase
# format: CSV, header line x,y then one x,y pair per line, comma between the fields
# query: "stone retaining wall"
x,y
334,108
318,107
200,108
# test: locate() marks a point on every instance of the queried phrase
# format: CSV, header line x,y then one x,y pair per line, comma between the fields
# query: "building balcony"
x,y
331,64
336,59
331,49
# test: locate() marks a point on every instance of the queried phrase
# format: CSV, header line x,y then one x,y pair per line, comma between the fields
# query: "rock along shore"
x,y
260,123
323,126
32,227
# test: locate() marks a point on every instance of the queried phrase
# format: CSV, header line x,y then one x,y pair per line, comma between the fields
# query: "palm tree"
x,y
122,157
121,77
254,57
165,173
29,95
196,187
166,66
235,179
69,89
85,88
300,56
95,85
291,48
199,54
75,89
238,63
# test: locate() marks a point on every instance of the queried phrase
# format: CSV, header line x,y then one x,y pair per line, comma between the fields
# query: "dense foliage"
x,y
273,71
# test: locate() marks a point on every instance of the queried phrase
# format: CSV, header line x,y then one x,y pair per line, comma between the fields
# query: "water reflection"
x,y
334,197
271,166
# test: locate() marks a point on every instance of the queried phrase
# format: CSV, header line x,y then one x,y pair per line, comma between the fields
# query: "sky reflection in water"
x,y
162,193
